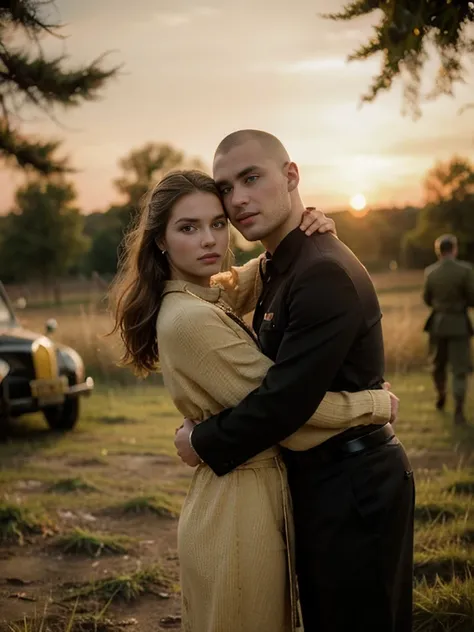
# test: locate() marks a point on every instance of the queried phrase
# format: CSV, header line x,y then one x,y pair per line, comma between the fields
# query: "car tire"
x,y
63,417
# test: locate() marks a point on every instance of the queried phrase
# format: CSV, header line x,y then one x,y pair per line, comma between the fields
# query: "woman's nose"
x,y
208,239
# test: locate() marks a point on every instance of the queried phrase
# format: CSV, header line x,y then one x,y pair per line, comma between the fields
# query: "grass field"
x,y
88,520
84,324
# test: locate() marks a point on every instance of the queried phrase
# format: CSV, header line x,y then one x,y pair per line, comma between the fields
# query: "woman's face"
x,y
196,238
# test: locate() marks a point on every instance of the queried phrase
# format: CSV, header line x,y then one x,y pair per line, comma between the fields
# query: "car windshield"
x,y
6,317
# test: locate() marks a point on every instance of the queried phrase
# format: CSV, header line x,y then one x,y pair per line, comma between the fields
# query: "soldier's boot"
x,y
440,385
459,418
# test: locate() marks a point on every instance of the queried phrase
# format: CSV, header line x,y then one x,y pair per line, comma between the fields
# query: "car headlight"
x,y
73,362
4,369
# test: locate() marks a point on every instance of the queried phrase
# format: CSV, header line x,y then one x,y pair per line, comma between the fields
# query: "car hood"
x,y
17,335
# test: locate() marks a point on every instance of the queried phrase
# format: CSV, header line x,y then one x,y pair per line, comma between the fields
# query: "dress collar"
x,y
210,294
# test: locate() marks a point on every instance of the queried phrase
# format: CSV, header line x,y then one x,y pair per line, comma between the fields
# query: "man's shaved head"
x,y
272,146
258,183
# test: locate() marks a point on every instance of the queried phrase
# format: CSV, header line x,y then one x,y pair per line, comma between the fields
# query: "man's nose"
x,y
239,197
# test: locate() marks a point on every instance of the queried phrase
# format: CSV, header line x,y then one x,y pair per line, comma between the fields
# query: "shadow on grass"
x,y
444,606
24,436
444,568
463,488
433,512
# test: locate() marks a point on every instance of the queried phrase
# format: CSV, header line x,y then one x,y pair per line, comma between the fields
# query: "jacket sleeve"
x,y
242,285
470,287
427,295
226,367
314,345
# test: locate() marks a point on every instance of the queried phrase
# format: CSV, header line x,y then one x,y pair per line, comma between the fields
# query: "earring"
x,y
163,252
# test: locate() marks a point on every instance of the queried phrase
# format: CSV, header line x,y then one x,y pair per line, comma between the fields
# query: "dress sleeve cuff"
x,y
191,444
382,405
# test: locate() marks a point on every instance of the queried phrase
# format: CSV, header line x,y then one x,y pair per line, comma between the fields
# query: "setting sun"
x,y
358,202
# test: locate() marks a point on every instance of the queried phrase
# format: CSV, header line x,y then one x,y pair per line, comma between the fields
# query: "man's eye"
x,y
251,179
225,191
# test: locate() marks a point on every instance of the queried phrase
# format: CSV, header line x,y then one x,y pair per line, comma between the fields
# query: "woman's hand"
x,y
316,221
394,401
183,444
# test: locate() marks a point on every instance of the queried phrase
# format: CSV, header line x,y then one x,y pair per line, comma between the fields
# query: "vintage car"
x,y
37,374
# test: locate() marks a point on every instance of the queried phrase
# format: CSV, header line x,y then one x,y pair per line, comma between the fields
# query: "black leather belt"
x,y
336,448
371,440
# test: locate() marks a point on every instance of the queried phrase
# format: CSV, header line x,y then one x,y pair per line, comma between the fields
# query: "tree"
x,y
28,78
405,31
449,191
453,180
106,232
43,237
147,165
141,168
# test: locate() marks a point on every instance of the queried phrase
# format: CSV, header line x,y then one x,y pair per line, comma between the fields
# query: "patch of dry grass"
x,y
83,542
127,587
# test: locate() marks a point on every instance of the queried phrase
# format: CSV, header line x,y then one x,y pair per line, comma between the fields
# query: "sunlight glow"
x,y
358,202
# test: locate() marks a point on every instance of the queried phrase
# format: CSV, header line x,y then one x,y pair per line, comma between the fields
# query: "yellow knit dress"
x,y
235,531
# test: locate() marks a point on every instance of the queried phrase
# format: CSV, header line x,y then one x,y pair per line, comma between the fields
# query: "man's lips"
x,y
245,218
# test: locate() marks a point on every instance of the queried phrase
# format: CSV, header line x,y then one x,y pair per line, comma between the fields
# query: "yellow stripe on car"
x,y
44,358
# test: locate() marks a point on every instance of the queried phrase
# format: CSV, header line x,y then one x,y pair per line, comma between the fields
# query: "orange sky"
x,y
195,72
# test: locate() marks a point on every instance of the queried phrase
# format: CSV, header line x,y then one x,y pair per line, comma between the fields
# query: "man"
x,y
319,319
449,291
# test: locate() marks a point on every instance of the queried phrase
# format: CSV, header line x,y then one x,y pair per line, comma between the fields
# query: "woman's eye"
x,y
187,229
220,224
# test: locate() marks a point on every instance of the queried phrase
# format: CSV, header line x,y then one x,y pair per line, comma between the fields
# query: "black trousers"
x,y
354,539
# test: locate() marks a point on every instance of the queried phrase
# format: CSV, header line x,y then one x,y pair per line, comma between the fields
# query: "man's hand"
x,y
394,401
183,445
315,221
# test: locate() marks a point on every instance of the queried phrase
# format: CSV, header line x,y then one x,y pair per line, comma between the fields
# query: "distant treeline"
x,y
46,237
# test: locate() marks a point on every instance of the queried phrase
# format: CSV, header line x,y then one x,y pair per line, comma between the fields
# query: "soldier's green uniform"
x,y
449,291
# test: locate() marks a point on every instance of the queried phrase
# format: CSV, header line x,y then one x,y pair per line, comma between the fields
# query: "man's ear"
x,y
293,176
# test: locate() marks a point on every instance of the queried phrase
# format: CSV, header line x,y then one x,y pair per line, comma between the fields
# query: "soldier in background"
x,y
449,291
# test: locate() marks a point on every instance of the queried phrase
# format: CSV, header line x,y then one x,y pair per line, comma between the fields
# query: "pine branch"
x,y
404,29
29,78
26,14
44,81
355,9
29,154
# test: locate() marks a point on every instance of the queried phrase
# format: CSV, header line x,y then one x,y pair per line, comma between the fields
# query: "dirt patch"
x,y
37,574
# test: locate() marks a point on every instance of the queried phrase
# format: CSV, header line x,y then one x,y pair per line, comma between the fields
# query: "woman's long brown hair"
x,y
136,292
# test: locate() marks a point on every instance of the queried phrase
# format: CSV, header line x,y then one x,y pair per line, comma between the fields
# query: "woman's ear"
x,y
161,243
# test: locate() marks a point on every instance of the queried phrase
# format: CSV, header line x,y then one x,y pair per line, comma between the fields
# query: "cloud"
x,y
119,12
461,143
175,18
326,65
348,35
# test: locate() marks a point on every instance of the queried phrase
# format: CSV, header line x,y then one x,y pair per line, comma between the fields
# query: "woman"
x,y
234,534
